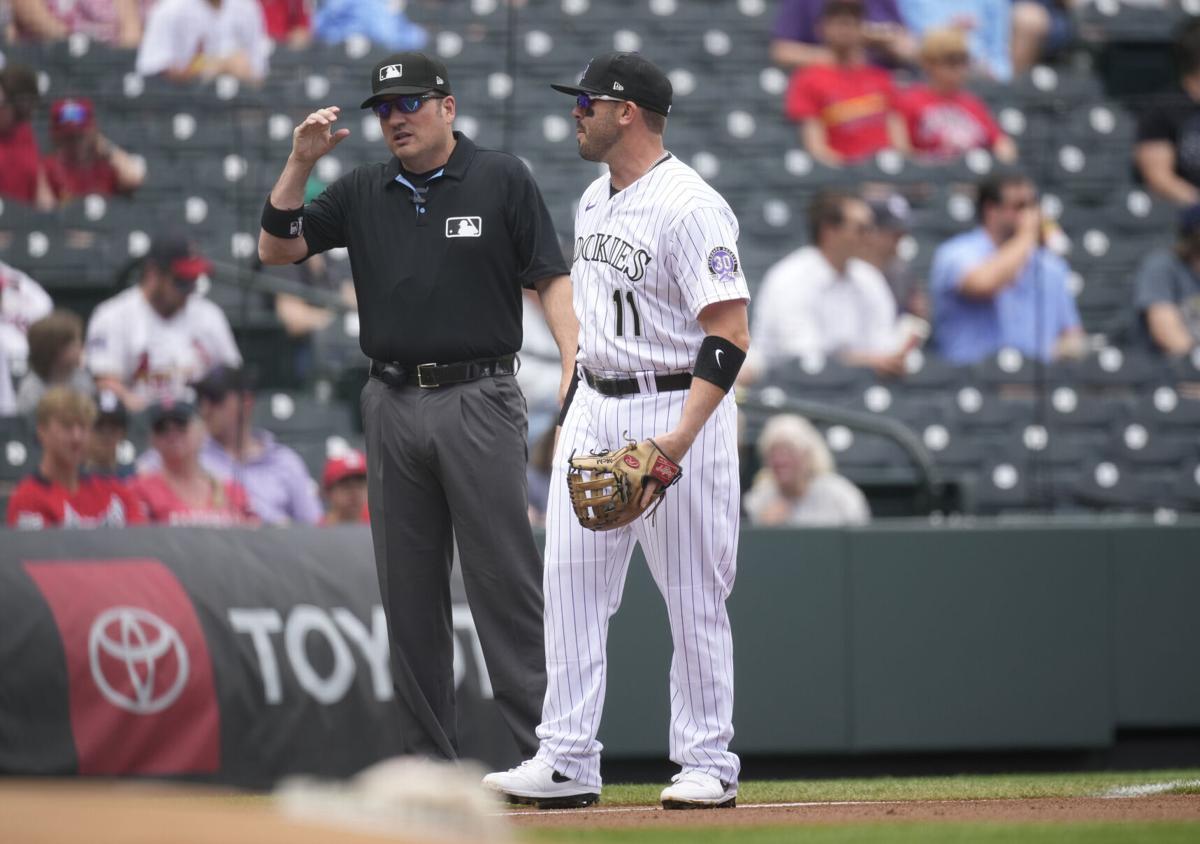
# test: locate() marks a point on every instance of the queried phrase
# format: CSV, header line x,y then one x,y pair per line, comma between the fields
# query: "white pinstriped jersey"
x,y
646,262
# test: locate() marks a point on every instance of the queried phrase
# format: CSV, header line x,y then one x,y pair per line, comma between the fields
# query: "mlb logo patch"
x,y
391,71
464,226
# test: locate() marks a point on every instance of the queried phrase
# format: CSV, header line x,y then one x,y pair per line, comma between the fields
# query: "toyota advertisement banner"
x,y
236,656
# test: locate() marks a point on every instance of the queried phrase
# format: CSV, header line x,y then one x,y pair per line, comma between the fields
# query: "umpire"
x,y
442,238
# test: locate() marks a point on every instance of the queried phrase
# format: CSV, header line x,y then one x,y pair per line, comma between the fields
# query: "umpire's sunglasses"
x,y
584,101
406,105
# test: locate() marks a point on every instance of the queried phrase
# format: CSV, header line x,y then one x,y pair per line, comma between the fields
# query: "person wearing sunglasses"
x,y
181,491
156,335
943,119
661,302
443,236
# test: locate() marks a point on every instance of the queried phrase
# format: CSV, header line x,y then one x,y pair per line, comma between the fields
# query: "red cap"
x,y
349,465
71,114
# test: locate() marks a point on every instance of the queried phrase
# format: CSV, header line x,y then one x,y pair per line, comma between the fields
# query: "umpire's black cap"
x,y
402,74
626,76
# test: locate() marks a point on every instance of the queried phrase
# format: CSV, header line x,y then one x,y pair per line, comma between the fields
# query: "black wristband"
x,y
719,362
286,224
562,414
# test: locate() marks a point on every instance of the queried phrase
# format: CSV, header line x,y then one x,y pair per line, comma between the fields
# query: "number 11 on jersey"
x,y
637,320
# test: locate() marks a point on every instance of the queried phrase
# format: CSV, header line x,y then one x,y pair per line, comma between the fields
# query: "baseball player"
x,y
661,302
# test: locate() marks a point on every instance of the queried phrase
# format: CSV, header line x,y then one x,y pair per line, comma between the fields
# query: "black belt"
x,y
428,375
629,386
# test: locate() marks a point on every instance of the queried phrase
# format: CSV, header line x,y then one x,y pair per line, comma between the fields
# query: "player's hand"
x,y
673,444
315,136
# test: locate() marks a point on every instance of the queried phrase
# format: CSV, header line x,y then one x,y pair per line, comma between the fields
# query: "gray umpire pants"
x,y
443,464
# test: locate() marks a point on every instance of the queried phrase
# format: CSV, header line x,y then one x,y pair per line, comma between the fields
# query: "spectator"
x,y
181,492
276,479
287,22
996,286
201,39
83,161
988,24
943,120
22,303
55,358
881,249
824,300
1166,291
795,41
539,473
8,397
22,177
58,494
155,338
117,23
1039,28
1167,153
798,484
540,373
344,482
844,108
106,436
382,21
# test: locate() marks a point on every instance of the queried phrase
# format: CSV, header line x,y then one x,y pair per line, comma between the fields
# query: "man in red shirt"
x,y
942,119
57,494
844,109
21,176
84,161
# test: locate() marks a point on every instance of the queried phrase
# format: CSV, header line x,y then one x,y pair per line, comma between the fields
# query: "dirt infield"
x,y
1045,810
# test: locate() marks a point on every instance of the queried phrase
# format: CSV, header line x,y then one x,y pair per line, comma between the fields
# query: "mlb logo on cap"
x,y
391,71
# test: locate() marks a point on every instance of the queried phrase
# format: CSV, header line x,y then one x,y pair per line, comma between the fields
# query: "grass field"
x,y
1092,833
1007,786
1010,786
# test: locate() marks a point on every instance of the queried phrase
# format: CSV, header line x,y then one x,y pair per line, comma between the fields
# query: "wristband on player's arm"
x,y
276,222
719,362
562,414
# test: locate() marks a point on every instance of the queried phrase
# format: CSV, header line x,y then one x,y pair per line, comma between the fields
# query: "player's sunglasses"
x,y
405,105
584,101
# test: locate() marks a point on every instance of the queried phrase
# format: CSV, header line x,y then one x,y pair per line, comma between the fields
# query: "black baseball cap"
x,y
221,380
175,254
111,410
169,407
407,73
626,76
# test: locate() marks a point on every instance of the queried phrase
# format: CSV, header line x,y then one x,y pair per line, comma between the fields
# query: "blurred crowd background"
x,y
971,230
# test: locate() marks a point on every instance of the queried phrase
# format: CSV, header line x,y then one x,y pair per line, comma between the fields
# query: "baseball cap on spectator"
x,y
892,212
220,381
402,74
352,464
169,408
111,410
175,254
625,76
71,115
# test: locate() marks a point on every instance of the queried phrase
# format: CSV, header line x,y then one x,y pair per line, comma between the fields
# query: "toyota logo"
x,y
138,643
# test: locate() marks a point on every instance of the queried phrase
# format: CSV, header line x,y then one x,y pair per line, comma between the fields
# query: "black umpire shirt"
x,y
439,262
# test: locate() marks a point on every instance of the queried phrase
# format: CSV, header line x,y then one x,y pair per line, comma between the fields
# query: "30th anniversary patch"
x,y
722,264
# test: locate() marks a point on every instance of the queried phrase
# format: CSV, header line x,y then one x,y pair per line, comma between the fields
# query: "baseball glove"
x,y
606,486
